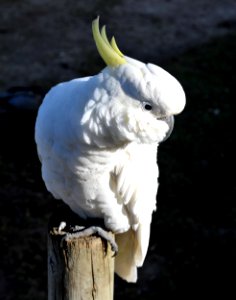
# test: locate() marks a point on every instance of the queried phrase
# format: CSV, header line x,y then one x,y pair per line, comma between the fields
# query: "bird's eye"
x,y
147,106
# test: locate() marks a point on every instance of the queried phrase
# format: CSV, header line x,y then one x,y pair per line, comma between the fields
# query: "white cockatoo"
x,y
97,139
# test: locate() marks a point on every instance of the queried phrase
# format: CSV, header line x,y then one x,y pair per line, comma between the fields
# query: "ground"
x,y
43,42
192,249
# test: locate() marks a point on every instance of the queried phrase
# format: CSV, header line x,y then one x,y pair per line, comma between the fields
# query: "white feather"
x,y
98,150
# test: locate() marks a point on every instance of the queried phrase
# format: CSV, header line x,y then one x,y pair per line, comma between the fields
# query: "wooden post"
x,y
79,268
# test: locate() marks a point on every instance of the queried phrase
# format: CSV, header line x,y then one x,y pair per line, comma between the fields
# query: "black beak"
x,y
170,121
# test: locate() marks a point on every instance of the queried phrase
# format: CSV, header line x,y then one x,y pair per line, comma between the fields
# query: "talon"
x,y
114,248
79,231
61,227
77,228
106,236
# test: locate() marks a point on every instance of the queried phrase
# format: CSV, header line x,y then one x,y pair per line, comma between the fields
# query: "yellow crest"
x,y
109,52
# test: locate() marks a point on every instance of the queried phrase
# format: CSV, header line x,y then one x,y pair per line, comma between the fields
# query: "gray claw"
x,y
83,232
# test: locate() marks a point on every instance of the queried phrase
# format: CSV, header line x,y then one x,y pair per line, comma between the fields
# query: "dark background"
x,y
192,251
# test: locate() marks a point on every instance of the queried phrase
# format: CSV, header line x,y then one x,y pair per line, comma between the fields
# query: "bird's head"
x,y
142,97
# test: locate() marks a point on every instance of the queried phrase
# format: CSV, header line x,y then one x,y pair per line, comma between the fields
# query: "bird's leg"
x,y
81,231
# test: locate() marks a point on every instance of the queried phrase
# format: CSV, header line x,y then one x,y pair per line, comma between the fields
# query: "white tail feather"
x,y
125,265
132,249
142,236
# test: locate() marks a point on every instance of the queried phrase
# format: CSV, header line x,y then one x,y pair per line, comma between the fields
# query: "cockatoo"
x,y
97,139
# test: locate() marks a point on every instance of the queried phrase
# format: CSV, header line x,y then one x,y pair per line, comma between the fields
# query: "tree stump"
x,y
79,268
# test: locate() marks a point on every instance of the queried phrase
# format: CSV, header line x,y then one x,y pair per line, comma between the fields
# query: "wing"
x,y
136,183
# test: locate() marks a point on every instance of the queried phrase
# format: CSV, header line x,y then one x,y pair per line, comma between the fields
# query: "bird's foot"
x,y
81,231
